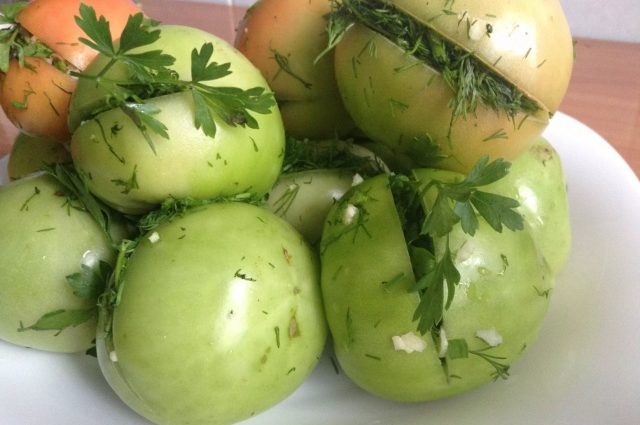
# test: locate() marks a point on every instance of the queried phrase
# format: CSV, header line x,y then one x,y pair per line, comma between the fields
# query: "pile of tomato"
x,y
203,216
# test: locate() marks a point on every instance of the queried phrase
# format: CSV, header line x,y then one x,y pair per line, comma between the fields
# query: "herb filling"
x,y
470,79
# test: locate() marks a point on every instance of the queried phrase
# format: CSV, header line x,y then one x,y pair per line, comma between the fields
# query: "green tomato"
x,y
44,240
118,164
219,317
304,198
366,276
409,111
316,174
473,79
536,180
29,153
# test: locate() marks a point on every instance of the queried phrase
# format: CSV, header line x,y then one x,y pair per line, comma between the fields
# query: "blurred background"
x,y
617,20
609,20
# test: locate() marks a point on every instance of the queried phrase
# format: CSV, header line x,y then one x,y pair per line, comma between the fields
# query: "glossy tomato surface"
x,y
122,168
220,317
367,276
44,240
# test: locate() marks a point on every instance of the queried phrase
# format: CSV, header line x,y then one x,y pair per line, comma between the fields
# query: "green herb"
x,y
90,282
277,331
283,64
17,43
59,320
456,202
459,349
25,204
78,194
172,208
471,81
459,202
303,154
355,225
128,185
284,202
110,297
150,76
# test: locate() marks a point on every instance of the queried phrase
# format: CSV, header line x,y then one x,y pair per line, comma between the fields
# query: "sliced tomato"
x,y
53,23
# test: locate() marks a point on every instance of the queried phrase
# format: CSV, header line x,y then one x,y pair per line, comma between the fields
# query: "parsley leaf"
x,y
89,282
431,287
59,320
459,202
204,70
150,75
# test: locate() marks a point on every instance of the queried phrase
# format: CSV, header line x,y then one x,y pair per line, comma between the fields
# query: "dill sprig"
x,y
471,80
304,154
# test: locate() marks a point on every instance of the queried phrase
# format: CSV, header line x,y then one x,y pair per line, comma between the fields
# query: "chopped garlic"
x,y
444,344
349,214
409,343
113,356
154,237
490,336
357,179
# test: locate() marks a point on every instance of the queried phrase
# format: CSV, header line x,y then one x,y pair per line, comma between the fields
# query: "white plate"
x,y
584,369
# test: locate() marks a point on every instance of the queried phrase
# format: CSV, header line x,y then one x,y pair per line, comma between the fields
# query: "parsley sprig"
x,y
454,202
459,202
150,76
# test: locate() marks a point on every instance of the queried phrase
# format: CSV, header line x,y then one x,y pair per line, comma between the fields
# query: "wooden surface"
x,y
604,92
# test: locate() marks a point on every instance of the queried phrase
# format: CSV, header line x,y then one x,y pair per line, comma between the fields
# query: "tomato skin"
x,y
291,31
63,36
537,181
304,198
393,107
43,241
219,319
529,44
365,311
29,153
110,149
36,98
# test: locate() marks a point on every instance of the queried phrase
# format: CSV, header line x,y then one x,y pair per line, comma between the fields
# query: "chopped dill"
x,y
471,80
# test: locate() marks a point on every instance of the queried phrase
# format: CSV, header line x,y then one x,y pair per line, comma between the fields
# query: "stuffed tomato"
x,y
446,83
216,317
416,316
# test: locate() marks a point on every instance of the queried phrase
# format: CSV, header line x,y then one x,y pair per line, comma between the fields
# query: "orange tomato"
x,y
53,23
36,98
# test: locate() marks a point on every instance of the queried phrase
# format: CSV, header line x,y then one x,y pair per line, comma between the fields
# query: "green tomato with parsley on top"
x,y
434,283
172,111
